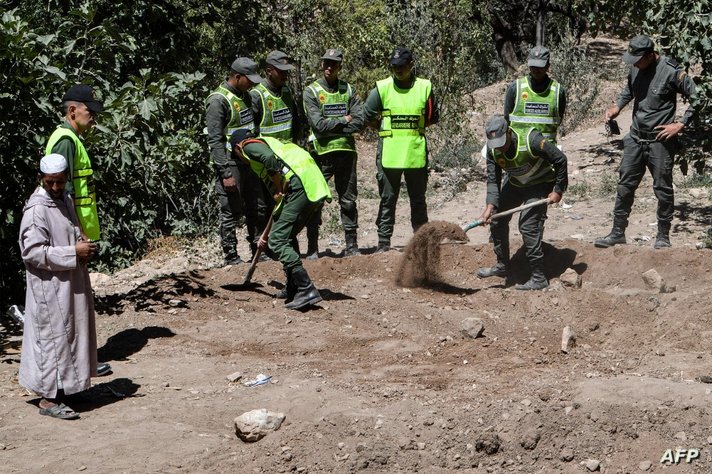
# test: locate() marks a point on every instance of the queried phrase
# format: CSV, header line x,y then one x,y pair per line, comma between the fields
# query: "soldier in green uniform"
x,y
273,106
334,112
228,108
536,100
299,188
406,105
653,84
535,169
80,109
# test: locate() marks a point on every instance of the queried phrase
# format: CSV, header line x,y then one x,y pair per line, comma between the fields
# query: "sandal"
x,y
61,411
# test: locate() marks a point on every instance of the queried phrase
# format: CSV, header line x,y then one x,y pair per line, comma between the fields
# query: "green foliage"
x,y
608,185
579,73
580,190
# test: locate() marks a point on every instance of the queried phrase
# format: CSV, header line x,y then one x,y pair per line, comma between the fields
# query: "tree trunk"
x,y
504,42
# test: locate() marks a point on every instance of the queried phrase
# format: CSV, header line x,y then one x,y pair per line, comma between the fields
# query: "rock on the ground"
x,y
472,327
256,424
234,377
568,339
570,278
530,439
654,281
567,455
645,465
488,442
592,464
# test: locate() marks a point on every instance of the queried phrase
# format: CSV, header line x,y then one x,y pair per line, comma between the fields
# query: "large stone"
x,y
654,281
472,327
256,424
568,339
570,278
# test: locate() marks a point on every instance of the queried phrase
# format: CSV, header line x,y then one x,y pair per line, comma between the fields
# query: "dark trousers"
x,y
637,156
250,199
389,181
531,221
342,166
293,216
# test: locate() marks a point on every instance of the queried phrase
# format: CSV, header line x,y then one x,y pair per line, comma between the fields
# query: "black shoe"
x,y
306,292
383,248
614,238
537,281
103,369
499,270
351,251
236,260
662,241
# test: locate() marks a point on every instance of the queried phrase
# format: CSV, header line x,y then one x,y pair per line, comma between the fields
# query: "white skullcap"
x,y
53,163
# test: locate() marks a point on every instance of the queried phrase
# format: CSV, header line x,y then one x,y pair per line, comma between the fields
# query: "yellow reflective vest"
x,y
403,123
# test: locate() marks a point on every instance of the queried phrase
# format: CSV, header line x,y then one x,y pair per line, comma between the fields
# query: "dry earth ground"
x,y
379,378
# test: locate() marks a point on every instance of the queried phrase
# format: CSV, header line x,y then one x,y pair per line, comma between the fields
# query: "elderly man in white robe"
x,y
59,354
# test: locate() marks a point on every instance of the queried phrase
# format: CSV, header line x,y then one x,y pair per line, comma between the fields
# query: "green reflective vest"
x,y
298,162
240,113
403,123
333,105
538,110
82,182
525,169
276,115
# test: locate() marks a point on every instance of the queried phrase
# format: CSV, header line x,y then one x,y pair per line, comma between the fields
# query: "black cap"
x,y
279,60
240,135
638,46
496,130
333,55
538,57
401,57
84,94
248,68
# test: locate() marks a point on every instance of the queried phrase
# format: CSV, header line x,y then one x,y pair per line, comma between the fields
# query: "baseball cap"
x,y
240,135
333,55
401,57
538,57
279,60
247,67
53,163
496,130
84,94
638,46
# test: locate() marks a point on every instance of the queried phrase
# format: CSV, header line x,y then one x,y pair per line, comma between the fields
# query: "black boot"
x,y
537,281
306,292
287,293
498,270
662,240
351,249
617,235
312,243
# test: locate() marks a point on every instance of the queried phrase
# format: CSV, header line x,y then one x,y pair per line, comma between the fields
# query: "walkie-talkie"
x,y
612,127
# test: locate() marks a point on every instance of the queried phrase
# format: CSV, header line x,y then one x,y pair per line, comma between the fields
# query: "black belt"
x,y
643,136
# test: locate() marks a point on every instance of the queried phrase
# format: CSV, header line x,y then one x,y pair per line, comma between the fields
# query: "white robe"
x,y
59,340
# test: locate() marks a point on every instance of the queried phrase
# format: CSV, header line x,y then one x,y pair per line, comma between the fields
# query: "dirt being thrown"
x,y
420,265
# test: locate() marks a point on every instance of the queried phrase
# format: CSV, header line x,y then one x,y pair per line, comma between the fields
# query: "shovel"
x,y
477,223
256,258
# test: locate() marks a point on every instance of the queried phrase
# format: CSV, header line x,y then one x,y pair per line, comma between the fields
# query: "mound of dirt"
x,y
420,264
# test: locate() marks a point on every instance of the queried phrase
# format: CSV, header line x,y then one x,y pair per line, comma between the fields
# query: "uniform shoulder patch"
x,y
672,62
